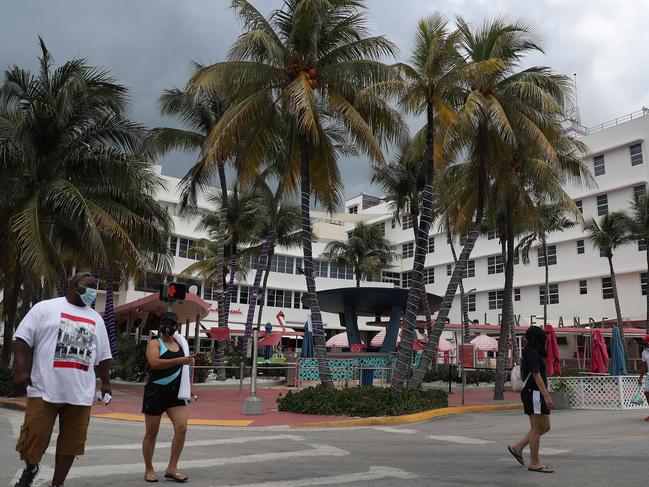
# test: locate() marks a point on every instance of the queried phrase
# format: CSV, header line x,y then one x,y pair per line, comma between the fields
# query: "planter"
x,y
560,399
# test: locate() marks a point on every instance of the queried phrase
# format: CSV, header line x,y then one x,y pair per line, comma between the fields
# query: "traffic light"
x,y
174,291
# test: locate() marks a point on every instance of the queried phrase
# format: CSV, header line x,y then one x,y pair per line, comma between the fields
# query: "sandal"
x,y
150,477
541,469
517,456
176,477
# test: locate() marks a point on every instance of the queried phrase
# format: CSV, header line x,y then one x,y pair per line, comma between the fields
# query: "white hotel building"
x,y
579,282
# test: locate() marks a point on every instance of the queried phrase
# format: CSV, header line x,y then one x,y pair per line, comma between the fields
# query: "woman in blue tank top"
x,y
166,359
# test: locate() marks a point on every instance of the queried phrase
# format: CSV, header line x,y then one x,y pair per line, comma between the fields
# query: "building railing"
x,y
617,121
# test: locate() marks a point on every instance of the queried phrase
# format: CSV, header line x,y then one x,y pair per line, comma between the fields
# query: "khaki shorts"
x,y
36,431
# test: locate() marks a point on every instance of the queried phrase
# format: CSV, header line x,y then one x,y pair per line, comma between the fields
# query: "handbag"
x,y
517,381
637,399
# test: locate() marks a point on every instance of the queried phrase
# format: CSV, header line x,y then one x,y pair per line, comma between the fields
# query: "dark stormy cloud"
x,y
148,45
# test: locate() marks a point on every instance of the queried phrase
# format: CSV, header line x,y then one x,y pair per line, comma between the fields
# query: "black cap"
x,y
169,316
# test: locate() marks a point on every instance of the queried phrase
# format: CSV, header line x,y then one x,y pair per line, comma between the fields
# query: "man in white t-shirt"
x,y
645,367
65,339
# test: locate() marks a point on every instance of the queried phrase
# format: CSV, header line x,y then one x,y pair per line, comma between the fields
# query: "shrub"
x,y
131,364
6,383
361,401
200,375
571,372
233,363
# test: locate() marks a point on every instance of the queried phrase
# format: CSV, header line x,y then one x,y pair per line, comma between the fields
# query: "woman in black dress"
x,y
537,402
166,358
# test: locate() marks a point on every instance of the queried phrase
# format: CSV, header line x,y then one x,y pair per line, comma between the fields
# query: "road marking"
x,y
316,451
553,451
167,444
387,429
43,479
192,422
16,422
460,439
374,473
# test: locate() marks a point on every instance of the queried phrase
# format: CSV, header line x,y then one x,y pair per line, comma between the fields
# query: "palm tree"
x,y
199,113
304,67
608,235
366,250
637,224
77,192
502,107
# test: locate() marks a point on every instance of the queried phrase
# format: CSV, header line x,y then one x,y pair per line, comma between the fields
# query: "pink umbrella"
x,y
552,364
599,355
485,343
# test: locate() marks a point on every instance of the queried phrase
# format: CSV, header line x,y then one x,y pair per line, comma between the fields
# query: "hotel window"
x,y
517,258
244,294
431,244
429,275
408,250
598,163
636,154
607,288
495,264
449,269
150,284
602,253
469,269
492,234
391,277
233,294
278,298
552,255
297,300
643,283
602,205
393,223
496,299
341,272
642,245
517,294
209,292
583,286
580,247
283,264
553,294
408,222
406,279
470,301
580,206
639,191
321,268
353,210
448,239
382,227
183,246
173,245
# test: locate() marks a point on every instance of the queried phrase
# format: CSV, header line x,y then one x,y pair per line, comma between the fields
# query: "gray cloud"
x,y
148,45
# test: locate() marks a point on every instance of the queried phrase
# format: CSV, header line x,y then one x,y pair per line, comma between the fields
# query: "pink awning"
x,y
485,343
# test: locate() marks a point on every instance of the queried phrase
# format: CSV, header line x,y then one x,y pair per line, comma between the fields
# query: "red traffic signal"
x,y
174,291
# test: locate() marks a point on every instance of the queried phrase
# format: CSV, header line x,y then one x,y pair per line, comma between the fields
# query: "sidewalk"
x,y
222,406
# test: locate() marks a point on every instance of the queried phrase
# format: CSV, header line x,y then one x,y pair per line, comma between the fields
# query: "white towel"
x,y
185,391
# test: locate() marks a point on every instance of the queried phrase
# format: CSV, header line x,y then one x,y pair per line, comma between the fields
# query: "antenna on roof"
x,y
574,116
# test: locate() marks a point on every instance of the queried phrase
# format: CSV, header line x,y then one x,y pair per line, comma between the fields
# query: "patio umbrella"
x,y
553,366
267,351
308,347
618,364
599,355
485,343
444,345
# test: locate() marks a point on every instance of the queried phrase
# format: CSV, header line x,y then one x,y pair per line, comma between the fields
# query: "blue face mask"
x,y
89,296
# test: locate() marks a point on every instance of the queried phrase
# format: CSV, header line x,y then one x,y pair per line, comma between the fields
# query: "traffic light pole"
x,y
253,405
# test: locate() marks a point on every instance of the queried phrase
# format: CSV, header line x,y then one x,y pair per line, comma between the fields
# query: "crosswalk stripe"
x,y
387,429
460,439
374,473
167,444
315,450
553,451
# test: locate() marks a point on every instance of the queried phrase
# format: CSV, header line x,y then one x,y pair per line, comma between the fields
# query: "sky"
x,y
148,46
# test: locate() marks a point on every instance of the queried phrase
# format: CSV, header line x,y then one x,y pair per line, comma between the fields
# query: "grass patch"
x,y
362,402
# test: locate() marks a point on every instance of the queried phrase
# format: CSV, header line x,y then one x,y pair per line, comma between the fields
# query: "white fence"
x,y
599,392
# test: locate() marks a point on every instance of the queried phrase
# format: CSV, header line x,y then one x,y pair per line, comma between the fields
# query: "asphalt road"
x,y
589,448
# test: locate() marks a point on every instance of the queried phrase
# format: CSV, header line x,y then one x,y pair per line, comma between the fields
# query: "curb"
x,y
9,404
409,418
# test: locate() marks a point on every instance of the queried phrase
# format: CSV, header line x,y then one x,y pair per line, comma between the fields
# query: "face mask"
x,y
167,329
89,296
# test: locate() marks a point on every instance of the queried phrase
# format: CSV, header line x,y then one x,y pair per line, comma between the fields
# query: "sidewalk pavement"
x,y
222,407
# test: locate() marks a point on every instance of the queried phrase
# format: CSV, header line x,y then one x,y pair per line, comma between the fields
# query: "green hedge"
x,y
441,372
361,401
6,383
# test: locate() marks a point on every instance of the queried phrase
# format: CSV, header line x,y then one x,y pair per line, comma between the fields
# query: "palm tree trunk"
x,y
404,350
262,291
9,308
319,337
618,310
506,315
228,290
466,324
254,292
647,296
546,284
218,277
429,355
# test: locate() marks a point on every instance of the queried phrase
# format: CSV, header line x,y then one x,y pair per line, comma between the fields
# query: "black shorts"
x,y
533,402
158,398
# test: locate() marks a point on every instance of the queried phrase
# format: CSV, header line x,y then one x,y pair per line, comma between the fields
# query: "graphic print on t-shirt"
x,y
75,342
